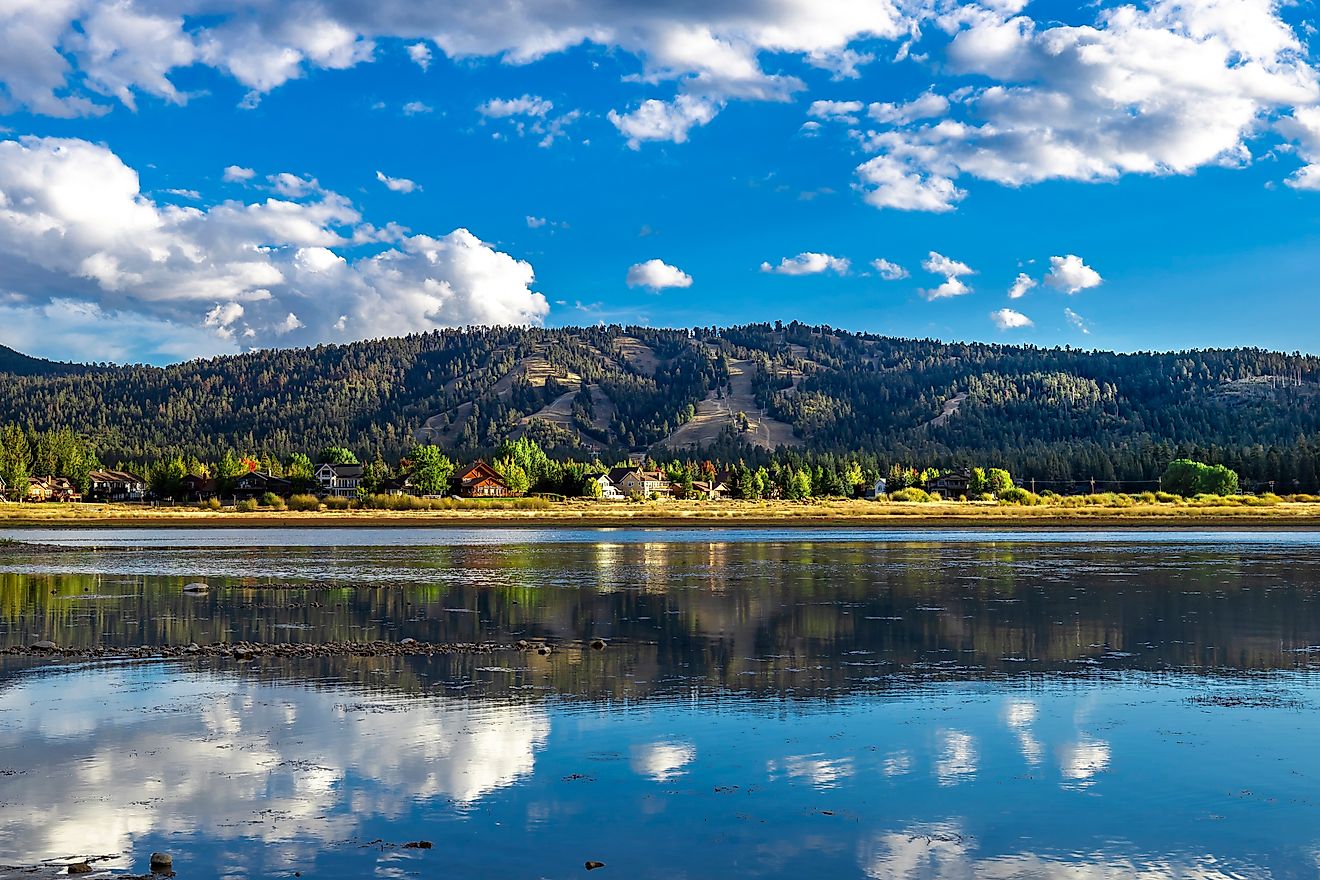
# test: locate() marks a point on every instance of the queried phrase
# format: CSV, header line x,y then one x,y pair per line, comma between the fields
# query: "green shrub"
x,y
1017,495
912,493
209,504
336,502
270,499
1168,498
247,505
304,502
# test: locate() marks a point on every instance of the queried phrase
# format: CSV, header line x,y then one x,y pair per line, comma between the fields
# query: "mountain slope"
x,y
1059,413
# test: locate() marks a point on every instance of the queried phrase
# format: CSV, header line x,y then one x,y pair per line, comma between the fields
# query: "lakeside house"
x,y
339,480
608,491
877,489
51,489
637,480
258,483
951,484
480,480
713,490
195,488
115,486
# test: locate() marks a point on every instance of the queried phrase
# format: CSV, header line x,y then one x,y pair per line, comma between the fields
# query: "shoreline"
x,y
1290,516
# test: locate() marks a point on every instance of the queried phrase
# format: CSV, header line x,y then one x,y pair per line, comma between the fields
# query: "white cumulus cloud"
x,y
420,53
397,184
952,270
78,237
1157,89
809,263
656,275
1007,319
238,174
889,271
1021,284
1071,275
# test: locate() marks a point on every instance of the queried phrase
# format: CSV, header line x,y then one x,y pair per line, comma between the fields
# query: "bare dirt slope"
x,y
716,413
638,354
949,411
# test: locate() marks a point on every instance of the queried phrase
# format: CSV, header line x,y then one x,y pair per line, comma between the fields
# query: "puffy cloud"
x,y
1165,88
889,271
938,264
1007,319
535,222
417,108
923,107
527,105
952,270
654,120
1021,285
1077,321
657,275
80,240
397,184
809,263
1071,275
238,174
420,53
292,186
835,111
62,56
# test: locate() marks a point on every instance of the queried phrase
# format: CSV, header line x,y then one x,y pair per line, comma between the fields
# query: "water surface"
x,y
772,703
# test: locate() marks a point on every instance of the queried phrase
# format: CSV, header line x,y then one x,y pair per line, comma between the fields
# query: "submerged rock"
x,y
545,650
418,844
197,587
161,862
598,644
80,868
591,866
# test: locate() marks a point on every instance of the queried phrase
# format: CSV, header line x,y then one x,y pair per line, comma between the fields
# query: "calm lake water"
x,y
772,703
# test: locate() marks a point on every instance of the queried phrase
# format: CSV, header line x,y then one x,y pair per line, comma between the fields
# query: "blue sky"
x,y
1147,170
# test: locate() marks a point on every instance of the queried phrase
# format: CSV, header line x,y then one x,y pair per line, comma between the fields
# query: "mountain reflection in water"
x,y
792,707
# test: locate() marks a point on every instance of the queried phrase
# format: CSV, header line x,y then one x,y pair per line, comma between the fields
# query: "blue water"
x,y
928,706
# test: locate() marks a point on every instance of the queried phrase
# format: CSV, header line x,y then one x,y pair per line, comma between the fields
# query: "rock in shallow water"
x,y
44,645
162,862
196,587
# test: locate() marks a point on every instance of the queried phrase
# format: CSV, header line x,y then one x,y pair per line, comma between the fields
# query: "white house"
x,y
609,491
340,480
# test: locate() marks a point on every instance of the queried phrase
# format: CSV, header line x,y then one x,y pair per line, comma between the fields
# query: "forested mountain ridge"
x,y
1049,413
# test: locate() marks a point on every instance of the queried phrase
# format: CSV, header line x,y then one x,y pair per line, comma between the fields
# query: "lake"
x,y
770,703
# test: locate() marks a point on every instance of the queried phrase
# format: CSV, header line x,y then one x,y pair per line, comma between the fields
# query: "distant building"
x,y
480,480
195,488
115,486
875,491
397,486
712,490
608,491
639,481
52,489
339,480
951,484
258,483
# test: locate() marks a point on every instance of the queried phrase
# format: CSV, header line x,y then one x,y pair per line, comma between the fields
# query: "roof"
x,y
618,473
108,476
478,472
344,471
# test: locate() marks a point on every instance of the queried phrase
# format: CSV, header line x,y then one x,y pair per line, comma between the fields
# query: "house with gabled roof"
x,y
480,480
116,486
638,480
339,480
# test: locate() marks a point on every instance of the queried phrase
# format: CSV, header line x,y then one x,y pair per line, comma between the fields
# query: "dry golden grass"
x,y
697,513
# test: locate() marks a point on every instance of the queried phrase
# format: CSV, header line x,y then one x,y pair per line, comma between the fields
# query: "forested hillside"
x,y
1053,414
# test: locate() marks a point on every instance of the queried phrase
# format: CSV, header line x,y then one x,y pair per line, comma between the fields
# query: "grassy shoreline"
x,y
724,514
